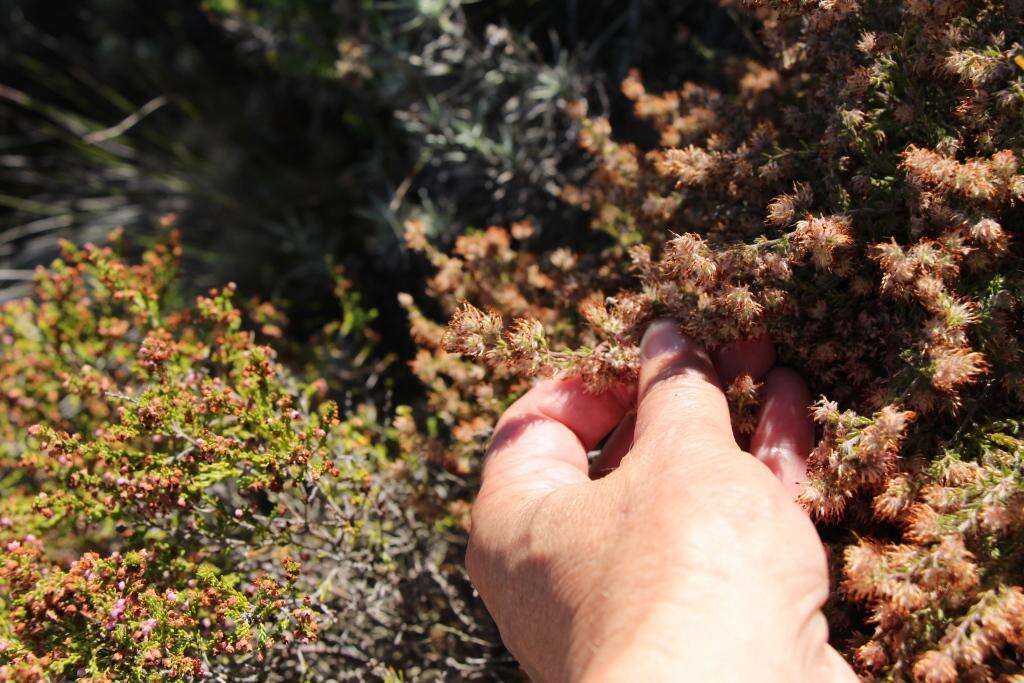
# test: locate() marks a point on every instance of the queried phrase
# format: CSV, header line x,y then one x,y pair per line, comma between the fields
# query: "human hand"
x,y
688,561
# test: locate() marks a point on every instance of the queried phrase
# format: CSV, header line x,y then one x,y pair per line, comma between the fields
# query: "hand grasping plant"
x,y
689,560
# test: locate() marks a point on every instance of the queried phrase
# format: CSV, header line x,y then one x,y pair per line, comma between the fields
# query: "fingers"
x,y
681,405
754,357
541,441
785,432
615,449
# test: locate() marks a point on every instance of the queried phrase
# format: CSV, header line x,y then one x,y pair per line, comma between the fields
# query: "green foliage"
x,y
176,504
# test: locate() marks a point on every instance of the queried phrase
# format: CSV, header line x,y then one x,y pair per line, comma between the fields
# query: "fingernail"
x,y
661,337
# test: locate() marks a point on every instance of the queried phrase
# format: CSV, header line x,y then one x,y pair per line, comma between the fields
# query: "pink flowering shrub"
x,y
177,505
139,439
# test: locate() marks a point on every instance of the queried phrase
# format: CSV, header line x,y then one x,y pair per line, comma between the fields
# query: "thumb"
x,y
681,407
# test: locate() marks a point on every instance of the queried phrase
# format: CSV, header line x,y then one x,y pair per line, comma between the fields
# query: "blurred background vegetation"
x,y
292,137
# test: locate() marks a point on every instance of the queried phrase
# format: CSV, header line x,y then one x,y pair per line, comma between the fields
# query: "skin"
x,y
678,556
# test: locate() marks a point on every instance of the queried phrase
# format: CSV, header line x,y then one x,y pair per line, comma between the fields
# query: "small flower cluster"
x,y
854,454
744,398
146,632
853,197
461,404
947,603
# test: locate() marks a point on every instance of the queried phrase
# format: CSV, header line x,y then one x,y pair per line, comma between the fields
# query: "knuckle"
x,y
673,379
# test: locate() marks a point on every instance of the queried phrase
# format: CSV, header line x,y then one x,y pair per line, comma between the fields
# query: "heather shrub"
x,y
853,195
178,505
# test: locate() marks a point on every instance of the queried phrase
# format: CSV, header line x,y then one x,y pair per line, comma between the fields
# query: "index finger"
x,y
681,406
542,440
